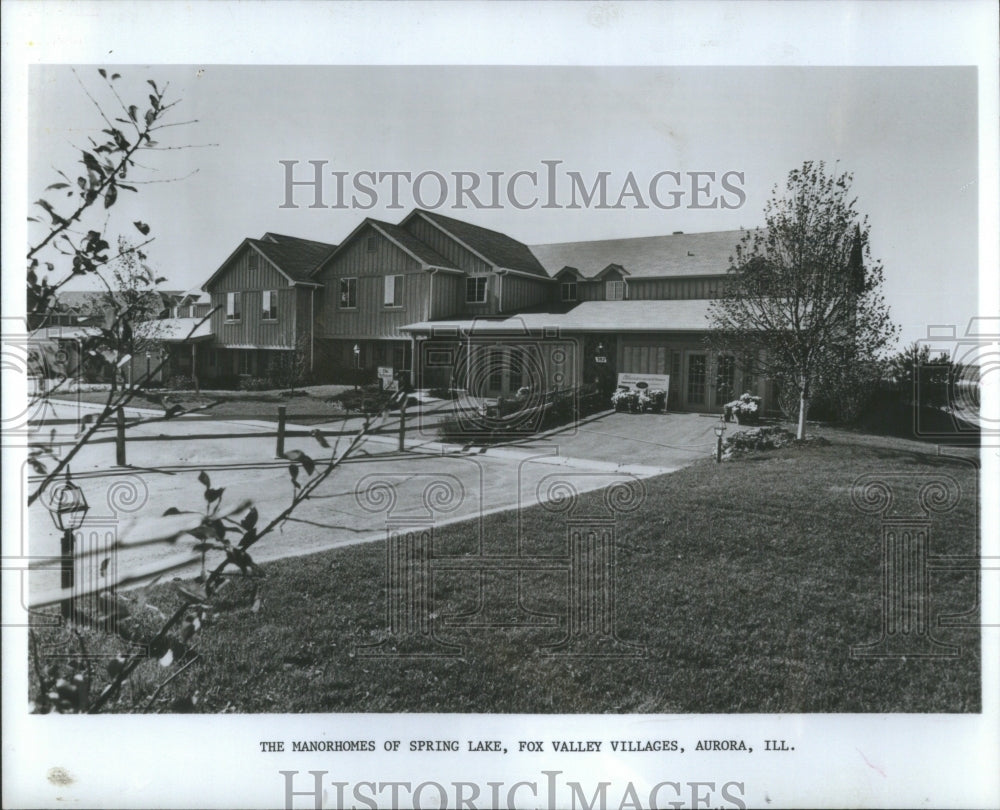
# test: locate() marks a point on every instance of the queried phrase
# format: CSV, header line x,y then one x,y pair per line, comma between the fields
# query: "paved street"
x,y
376,485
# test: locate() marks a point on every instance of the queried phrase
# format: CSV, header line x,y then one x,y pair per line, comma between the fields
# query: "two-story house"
x,y
265,303
444,303
426,268
622,306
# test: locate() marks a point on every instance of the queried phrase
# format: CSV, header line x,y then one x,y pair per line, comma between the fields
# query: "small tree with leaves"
x,y
803,296
70,239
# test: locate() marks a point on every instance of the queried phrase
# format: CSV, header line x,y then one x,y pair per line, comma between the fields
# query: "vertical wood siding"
x,y
675,288
520,292
448,298
252,329
371,318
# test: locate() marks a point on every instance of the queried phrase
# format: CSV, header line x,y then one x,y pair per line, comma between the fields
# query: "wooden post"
x,y
402,425
194,367
66,572
280,449
120,436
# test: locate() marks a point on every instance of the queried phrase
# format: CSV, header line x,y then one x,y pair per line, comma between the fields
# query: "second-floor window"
x,y
270,305
232,306
568,290
348,293
614,290
475,290
393,291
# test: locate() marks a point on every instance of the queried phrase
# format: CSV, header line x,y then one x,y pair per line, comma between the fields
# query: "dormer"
x,y
614,278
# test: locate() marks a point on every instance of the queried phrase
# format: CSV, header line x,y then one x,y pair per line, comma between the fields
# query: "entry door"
x,y
696,380
506,372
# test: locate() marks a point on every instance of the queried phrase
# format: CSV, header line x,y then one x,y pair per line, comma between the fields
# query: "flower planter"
x,y
745,410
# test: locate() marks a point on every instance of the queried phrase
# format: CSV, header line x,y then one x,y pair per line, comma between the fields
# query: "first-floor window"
x,y
475,290
393,291
270,305
614,290
348,293
246,362
232,306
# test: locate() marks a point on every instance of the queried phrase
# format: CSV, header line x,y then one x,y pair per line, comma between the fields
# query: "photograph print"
x,y
503,390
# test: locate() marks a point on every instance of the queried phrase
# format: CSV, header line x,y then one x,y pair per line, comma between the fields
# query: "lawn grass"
x,y
747,583
312,405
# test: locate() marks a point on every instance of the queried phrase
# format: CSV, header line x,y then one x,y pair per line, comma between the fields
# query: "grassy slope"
x,y
746,582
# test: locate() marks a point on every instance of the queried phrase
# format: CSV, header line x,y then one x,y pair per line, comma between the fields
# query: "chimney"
x,y
678,233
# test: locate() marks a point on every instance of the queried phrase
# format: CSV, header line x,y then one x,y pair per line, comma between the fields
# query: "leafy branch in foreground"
x,y
230,533
104,167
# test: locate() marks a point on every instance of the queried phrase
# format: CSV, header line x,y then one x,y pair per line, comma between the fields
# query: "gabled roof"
x,y
291,256
496,248
682,254
418,250
613,268
294,258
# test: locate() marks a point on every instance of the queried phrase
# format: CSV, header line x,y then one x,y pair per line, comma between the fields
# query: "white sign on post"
x,y
386,377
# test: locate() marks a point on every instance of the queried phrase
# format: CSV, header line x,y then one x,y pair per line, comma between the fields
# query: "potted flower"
x,y
745,410
623,399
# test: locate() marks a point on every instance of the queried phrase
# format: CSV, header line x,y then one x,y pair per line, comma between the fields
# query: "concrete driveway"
x,y
667,441
376,488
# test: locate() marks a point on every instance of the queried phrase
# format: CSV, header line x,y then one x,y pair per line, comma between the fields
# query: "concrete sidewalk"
x,y
431,480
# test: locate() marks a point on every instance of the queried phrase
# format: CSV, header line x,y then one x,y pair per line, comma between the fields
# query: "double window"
x,y
269,300
348,293
568,290
475,290
232,306
614,290
393,291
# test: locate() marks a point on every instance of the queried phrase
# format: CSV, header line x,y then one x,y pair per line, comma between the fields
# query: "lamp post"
x,y
719,429
68,507
357,366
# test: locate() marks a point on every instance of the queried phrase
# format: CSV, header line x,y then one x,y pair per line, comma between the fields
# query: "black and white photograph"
x,y
500,405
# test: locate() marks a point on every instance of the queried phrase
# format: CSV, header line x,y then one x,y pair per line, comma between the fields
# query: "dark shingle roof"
x,y
497,248
422,250
295,257
683,254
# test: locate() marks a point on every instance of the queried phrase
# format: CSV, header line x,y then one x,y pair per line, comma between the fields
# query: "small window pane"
x,y
349,292
270,305
475,290
233,306
393,291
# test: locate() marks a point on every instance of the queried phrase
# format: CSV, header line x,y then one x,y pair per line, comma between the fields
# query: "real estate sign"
x,y
645,382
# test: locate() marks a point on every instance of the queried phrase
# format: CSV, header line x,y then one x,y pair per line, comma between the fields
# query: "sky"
x,y
908,135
